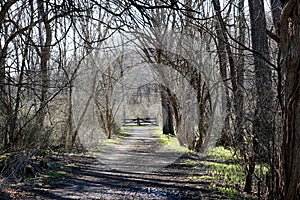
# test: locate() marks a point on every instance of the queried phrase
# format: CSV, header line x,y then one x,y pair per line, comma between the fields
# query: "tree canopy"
x,y
212,72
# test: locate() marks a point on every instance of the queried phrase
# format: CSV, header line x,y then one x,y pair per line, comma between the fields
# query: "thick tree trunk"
x,y
262,121
3,105
18,139
6,109
290,59
168,126
262,127
222,55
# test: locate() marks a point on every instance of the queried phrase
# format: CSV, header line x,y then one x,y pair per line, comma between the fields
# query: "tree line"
x,y
236,62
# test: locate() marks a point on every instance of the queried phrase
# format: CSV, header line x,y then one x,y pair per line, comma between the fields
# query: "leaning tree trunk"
x,y
224,58
193,76
221,50
290,59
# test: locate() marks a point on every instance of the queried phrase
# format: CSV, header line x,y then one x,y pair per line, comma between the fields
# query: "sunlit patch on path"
x,y
139,152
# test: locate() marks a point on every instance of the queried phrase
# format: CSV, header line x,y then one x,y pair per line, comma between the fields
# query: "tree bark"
x,y
263,81
273,177
45,56
290,59
262,126
276,11
222,55
168,125
250,171
240,71
224,58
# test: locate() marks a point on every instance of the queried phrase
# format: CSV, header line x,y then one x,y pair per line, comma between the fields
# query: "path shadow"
x,y
95,181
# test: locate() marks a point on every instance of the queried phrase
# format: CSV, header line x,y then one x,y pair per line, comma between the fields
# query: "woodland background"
x,y
225,72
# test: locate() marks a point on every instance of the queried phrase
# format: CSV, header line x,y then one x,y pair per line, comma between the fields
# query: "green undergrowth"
x,y
53,173
49,177
35,165
168,141
227,169
227,178
115,139
223,154
224,172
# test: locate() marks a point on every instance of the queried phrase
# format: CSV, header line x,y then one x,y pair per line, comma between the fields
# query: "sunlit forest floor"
x,y
141,165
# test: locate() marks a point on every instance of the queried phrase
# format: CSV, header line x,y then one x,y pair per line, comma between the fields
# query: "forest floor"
x,y
138,167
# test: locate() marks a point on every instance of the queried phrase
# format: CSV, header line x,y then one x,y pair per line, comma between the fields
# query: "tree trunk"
x,y
262,126
192,75
17,139
263,74
45,56
6,108
221,50
224,45
276,11
168,126
240,69
290,59
67,139
273,177
250,171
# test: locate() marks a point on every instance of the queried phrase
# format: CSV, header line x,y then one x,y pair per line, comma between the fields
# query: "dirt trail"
x,y
136,168
140,152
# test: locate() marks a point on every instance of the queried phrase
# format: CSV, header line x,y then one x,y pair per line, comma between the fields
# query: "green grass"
x,y
191,163
45,180
228,176
202,178
57,174
123,133
168,141
116,138
222,154
53,175
71,165
224,171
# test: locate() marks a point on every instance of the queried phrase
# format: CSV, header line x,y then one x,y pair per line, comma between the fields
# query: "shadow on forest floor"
x,y
90,177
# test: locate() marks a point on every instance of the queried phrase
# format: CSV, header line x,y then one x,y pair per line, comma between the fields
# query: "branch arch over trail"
x,y
196,78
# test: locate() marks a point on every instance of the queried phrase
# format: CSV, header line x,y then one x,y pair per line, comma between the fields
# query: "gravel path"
x,y
136,168
140,152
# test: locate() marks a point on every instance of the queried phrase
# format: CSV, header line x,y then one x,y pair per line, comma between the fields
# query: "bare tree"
x,y
46,41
